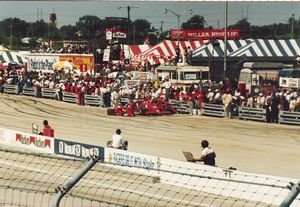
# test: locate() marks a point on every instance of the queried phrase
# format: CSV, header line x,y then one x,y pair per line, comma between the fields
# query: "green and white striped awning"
x,y
7,57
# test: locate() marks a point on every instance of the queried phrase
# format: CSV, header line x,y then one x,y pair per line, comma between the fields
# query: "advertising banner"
x,y
106,55
41,62
115,33
289,82
46,61
203,34
79,61
143,76
32,141
79,150
131,159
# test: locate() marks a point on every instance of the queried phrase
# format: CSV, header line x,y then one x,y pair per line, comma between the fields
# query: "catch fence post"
x,y
295,190
61,192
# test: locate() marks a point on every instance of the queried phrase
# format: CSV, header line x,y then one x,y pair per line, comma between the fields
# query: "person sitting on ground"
x,y
47,130
207,156
117,140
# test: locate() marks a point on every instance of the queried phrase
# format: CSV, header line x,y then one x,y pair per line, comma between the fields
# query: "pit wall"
x,y
215,180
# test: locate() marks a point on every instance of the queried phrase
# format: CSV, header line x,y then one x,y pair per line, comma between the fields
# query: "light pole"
x,y
128,18
292,22
225,39
178,19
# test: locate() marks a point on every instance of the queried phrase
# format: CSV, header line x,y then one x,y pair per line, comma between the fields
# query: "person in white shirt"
x,y
117,140
207,155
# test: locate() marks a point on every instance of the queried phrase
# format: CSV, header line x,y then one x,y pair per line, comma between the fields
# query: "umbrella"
x,y
63,65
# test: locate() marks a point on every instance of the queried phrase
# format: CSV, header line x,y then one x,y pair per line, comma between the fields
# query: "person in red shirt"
x,y
47,130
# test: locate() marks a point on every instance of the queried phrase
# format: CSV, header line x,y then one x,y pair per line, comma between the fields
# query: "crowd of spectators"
x,y
68,48
108,82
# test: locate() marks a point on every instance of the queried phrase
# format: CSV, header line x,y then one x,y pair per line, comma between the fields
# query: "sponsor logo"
x,y
31,140
77,150
131,160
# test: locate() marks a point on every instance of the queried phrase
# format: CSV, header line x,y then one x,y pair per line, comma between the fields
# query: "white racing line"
x,y
103,185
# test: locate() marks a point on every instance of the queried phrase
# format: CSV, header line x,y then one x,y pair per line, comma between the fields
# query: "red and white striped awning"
x,y
133,50
164,51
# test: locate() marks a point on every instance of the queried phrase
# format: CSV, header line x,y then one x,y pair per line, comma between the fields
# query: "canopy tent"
x,y
269,48
7,57
216,49
133,50
2,48
164,51
251,48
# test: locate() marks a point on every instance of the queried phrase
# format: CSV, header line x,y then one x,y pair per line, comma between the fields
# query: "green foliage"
x,y
88,26
195,22
92,28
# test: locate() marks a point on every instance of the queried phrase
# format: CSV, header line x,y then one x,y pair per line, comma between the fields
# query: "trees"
x,y
88,26
69,32
244,26
195,22
13,30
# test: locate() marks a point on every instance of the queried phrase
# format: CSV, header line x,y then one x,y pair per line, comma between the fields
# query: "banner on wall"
x,y
32,141
82,62
46,62
76,149
41,62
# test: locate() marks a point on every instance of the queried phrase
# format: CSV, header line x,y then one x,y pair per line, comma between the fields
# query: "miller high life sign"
x,y
203,34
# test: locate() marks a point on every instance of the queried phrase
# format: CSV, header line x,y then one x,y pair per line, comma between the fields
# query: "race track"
x,y
249,146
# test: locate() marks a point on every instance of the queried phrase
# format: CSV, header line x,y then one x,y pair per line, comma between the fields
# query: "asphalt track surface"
x,y
249,146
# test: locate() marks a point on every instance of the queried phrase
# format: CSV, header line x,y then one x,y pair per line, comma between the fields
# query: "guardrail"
x,y
48,93
29,91
255,114
70,97
93,100
11,89
286,117
212,110
181,107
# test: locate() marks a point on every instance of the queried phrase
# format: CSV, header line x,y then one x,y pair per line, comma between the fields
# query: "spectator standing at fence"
x,y
227,100
177,57
47,130
208,155
189,55
260,101
184,55
250,101
274,108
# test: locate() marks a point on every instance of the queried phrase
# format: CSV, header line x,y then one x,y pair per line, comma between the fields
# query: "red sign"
x,y
28,140
203,34
83,68
115,33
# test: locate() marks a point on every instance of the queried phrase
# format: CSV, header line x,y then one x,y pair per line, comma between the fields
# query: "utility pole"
x,y
128,18
11,37
225,39
161,27
178,20
292,31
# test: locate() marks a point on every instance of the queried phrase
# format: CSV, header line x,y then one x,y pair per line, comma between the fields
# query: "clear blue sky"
x,y
68,12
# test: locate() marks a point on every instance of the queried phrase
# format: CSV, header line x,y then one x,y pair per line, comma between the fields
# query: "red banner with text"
x,y
203,34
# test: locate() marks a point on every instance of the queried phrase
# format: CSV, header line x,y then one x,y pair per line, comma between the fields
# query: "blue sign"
x,y
75,149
